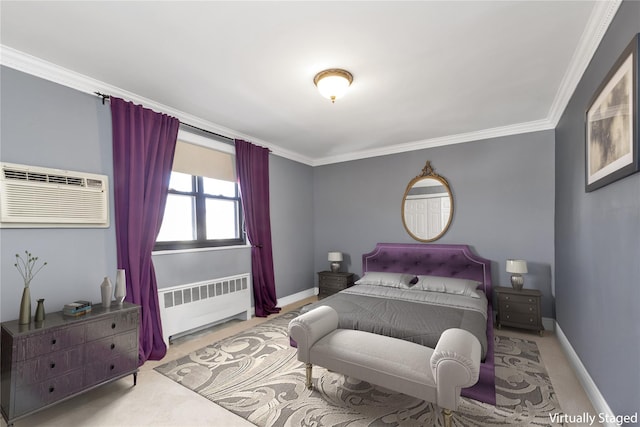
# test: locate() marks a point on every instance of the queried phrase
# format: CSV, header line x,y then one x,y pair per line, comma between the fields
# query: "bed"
x,y
389,300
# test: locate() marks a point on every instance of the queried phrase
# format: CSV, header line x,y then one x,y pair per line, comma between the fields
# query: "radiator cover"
x,y
192,306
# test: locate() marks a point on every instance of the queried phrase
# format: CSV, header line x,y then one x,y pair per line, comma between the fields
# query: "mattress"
x,y
413,315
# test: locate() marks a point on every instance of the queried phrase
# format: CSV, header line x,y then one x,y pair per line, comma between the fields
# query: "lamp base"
x,y
335,267
517,281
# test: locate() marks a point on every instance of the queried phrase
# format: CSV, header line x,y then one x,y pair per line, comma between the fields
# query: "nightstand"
x,y
329,282
520,309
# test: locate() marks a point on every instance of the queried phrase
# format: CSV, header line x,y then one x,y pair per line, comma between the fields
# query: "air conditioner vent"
x,y
51,178
33,197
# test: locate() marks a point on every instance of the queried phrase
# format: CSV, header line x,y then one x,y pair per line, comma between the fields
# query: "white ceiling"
x,y
426,73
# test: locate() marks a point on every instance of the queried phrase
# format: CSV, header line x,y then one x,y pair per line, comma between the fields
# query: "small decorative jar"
x,y
40,311
105,292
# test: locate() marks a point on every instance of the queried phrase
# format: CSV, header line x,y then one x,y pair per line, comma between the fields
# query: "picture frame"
x,y
611,143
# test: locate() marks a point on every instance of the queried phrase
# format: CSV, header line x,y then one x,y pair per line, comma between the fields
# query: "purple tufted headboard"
x,y
430,259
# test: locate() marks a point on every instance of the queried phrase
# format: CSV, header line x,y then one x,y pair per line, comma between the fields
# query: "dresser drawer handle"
x,y
51,389
530,299
112,367
52,365
531,320
530,308
113,325
507,297
507,316
112,346
53,341
507,306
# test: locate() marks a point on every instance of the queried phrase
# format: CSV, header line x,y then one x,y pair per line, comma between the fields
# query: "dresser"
x,y
329,282
520,309
46,362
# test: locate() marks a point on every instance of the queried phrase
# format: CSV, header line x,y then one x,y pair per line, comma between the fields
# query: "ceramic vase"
x,y
121,286
25,307
39,311
105,292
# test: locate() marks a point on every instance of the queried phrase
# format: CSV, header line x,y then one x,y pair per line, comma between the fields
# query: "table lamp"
x,y
517,267
335,258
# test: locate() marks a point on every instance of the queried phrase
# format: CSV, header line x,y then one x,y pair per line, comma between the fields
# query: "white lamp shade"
x,y
335,256
333,87
516,266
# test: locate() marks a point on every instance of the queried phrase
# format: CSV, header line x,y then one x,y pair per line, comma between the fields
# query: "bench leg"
x,y
446,413
309,384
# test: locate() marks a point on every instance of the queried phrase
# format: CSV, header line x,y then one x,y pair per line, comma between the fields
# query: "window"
x,y
203,205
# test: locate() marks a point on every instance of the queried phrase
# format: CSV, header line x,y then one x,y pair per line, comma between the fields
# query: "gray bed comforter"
x,y
413,315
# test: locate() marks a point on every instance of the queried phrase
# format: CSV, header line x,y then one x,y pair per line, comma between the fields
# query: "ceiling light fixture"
x,y
333,83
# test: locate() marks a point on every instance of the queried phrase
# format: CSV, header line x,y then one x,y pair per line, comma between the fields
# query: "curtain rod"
x,y
106,97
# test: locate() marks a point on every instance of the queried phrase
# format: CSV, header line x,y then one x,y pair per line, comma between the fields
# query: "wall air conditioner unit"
x,y
35,197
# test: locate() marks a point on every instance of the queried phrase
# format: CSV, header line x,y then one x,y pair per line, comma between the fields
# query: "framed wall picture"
x,y
612,123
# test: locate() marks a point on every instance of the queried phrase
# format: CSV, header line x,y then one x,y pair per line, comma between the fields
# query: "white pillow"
x,y
395,280
449,285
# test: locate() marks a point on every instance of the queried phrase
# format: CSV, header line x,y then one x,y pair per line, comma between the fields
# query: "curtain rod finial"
x,y
103,96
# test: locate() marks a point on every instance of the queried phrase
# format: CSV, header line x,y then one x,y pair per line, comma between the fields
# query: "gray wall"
x,y
598,243
46,124
180,268
292,216
503,192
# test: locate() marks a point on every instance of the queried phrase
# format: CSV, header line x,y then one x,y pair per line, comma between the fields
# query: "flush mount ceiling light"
x,y
333,83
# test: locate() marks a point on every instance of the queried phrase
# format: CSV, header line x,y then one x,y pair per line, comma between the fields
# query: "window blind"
x,y
202,161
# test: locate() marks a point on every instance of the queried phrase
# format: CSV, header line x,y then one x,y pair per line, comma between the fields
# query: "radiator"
x,y
189,307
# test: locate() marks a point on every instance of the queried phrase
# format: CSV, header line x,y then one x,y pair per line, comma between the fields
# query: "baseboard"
x,y
597,399
290,299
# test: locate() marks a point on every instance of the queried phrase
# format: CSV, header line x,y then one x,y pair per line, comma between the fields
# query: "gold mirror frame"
x,y
427,174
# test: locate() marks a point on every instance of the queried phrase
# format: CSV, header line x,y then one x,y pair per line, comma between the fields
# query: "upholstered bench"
x,y
435,375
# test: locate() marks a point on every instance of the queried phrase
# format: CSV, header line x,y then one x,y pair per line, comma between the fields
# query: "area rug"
x,y
256,375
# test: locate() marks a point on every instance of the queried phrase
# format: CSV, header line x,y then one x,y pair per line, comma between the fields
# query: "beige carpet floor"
x,y
256,375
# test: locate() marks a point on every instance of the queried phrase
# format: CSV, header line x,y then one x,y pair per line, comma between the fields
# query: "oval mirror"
x,y
427,206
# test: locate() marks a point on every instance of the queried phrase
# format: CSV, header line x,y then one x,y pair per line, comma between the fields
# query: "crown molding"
x,y
599,21
496,132
29,64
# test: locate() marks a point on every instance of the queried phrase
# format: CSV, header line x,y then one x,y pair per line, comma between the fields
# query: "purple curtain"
x,y
252,165
143,146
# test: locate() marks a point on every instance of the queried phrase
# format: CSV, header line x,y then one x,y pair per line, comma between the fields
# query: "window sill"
x,y
212,248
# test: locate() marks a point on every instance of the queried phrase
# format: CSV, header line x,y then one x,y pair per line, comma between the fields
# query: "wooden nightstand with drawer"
x,y
520,309
330,283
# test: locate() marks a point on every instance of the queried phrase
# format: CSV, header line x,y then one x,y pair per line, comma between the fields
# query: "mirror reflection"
x,y
427,206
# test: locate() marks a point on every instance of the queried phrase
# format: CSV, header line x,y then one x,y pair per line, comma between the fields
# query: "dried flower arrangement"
x,y
26,267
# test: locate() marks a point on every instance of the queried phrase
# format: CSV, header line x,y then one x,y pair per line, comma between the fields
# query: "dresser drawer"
x,y
116,324
112,346
50,341
34,396
522,299
49,366
516,307
103,370
333,281
521,319
331,287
